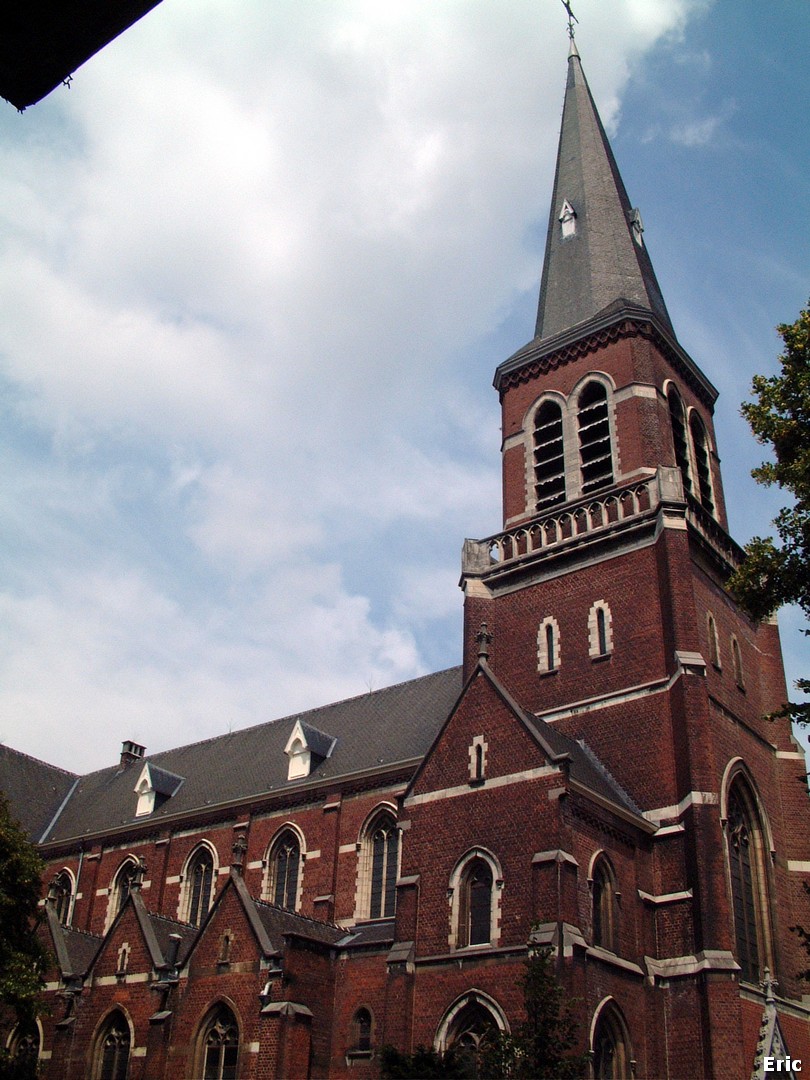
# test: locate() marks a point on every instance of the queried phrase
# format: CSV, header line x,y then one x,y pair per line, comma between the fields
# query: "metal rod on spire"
x,y
571,17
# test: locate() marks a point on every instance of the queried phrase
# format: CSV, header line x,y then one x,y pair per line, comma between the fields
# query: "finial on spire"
x,y
571,18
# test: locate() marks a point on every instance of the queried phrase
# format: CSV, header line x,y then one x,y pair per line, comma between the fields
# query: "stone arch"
x,y
477,877
198,883
284,865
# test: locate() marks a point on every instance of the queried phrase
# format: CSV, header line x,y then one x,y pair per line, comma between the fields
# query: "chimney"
x,y
131,751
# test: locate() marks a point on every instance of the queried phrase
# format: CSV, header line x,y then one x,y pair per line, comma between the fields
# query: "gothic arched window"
x,y
199,878
549,459
111,1055
605,905
61,891
595,447
285,870
700,447
220,1045
384,850
475,909
24,1047
679,437
122,885
748,878
361,1031
468,1026
611,1052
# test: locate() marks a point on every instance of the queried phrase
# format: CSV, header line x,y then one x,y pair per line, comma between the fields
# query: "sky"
x,y
257,268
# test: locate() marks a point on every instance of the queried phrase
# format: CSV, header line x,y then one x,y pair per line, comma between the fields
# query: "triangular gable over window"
x,y
306,748
153,787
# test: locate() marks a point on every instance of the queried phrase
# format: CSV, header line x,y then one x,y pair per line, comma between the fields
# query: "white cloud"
x,y
249,262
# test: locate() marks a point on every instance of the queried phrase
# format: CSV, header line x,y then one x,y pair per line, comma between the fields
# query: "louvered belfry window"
x,y
595,450
679,437
549,460
702,464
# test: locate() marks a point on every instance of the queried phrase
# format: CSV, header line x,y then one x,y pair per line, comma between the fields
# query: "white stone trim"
x,y
478,741
674,966
495,782
666,898
454,899
798,866
594,650
545,662
694,798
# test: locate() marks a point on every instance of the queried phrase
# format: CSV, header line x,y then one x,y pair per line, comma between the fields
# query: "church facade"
x,y
596,776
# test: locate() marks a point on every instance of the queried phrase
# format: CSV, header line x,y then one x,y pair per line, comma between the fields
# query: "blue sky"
x,y
257,267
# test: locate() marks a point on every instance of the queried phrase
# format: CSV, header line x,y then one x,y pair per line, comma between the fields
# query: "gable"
x,y
231,934
485,741
125,950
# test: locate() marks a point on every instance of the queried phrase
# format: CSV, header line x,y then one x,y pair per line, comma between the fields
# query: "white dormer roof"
x,y
306,748
153,786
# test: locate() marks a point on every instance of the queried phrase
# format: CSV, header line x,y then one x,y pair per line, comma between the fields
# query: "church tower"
x,y
609,620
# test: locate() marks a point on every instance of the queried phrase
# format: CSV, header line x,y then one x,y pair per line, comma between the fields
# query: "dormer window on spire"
x,y
637,226
568,220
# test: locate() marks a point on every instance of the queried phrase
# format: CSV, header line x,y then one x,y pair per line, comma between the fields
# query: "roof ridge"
x,y
40,761
296,914
296,715
83,933
602,768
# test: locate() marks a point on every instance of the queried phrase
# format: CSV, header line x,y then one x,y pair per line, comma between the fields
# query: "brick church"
x,y
596,776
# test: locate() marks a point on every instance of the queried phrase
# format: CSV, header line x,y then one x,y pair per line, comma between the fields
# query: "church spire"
x,y
596,261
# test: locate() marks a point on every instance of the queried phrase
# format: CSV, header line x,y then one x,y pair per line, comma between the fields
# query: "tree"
x,y
771,574
541,1047
23,958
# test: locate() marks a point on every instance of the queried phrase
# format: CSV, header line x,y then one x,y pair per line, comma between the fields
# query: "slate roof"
x,y
379,932
163,928
81,949
601,264
278,921
35,790
387,727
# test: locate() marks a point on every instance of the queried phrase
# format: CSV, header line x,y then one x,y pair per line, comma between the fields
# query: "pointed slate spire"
x,y
595,255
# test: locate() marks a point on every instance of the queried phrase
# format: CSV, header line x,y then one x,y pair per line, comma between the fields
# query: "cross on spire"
x,y
571,17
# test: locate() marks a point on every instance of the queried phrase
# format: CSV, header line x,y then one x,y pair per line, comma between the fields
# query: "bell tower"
x,y
604,592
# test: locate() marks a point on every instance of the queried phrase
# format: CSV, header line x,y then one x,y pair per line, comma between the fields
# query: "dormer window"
x,y
568,220
637,227
154,787
306,749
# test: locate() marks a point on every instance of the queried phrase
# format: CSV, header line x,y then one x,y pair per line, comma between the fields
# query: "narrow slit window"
x,y
595,448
